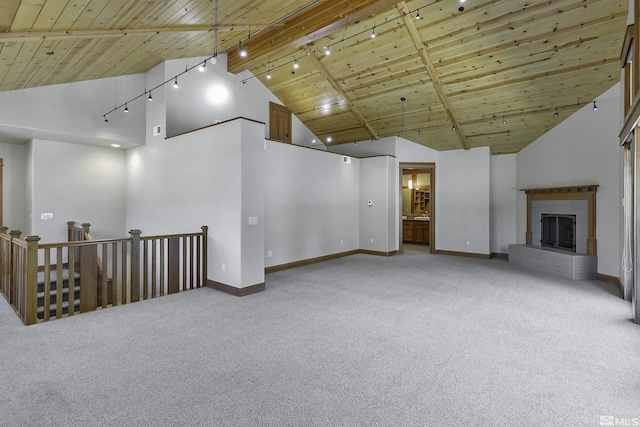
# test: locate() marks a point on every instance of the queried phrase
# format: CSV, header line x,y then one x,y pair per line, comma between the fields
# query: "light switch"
x,y
47,215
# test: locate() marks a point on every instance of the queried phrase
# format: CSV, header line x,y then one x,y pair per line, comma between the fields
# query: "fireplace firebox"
x,y
559,231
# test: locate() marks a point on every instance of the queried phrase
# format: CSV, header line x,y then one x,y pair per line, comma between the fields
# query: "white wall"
x,y
504,196
311,203
179,184
14,186
377,221
583,149
77,183
216,95
73,112
156,110
463,201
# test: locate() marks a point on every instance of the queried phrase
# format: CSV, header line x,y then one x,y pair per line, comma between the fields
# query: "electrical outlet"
x,y
371,240
269,254
224,268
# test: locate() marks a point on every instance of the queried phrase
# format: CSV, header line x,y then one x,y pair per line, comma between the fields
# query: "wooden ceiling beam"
x,y
324,18
28,36
433,73
327,75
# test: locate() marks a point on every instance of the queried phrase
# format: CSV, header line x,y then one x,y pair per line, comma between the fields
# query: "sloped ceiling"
x,y
474,73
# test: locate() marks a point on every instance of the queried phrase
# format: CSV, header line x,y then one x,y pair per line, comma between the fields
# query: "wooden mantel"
x,y
578,192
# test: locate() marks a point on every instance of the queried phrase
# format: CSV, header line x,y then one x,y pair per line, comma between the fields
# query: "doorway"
x,y
422,202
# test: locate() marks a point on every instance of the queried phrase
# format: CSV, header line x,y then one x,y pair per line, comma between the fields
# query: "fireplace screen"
x,y
559,231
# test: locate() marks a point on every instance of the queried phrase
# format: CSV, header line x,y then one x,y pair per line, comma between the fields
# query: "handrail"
x,y
53,280
82,243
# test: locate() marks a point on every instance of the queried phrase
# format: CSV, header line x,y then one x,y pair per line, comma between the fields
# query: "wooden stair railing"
x,y
84,275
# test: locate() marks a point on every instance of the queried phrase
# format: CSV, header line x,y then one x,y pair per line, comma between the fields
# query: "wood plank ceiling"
x,y
493,74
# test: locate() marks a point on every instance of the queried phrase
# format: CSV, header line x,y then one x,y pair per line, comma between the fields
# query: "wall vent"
x,y
157,130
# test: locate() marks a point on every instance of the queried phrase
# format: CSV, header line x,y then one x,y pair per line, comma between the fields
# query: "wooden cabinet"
x,y
421,233
408,231
415,231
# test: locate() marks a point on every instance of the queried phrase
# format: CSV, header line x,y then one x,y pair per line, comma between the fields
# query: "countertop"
x,y
416,218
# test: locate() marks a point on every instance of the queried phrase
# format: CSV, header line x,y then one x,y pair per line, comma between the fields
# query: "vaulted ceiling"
x,y
467,74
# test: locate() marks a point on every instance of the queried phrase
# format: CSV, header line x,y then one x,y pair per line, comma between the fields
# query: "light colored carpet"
x,y
410,340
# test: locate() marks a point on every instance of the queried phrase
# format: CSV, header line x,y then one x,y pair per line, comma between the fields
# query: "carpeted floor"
x,y
410,340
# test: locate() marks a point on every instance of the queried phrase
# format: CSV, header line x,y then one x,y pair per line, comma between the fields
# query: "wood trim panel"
x,y
295,264
377,253
217,124
613,280
232,290
463,254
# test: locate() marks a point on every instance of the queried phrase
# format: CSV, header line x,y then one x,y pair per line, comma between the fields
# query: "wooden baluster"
x,y
4,256
154,266
13,284
162,267
71,225
103,278
46,291
59,283
198,258
173,266
88,278
184,285
205,260
31,315
71,283
135,265
145,269
126,289
188,262
114,275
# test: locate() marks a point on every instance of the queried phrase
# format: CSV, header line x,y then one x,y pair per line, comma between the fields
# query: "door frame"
x,y
431,166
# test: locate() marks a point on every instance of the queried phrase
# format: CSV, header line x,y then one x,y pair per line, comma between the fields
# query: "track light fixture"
x,y
105,119
202,66
504,120
150,98
453,127
595,107
126,108
556,113
373,33
175,83
269,74
242,52
327,51
329,139
418,15
213,60
295,64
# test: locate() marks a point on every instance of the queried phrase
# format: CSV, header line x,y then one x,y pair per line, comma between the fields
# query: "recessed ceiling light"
x,y
115,145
